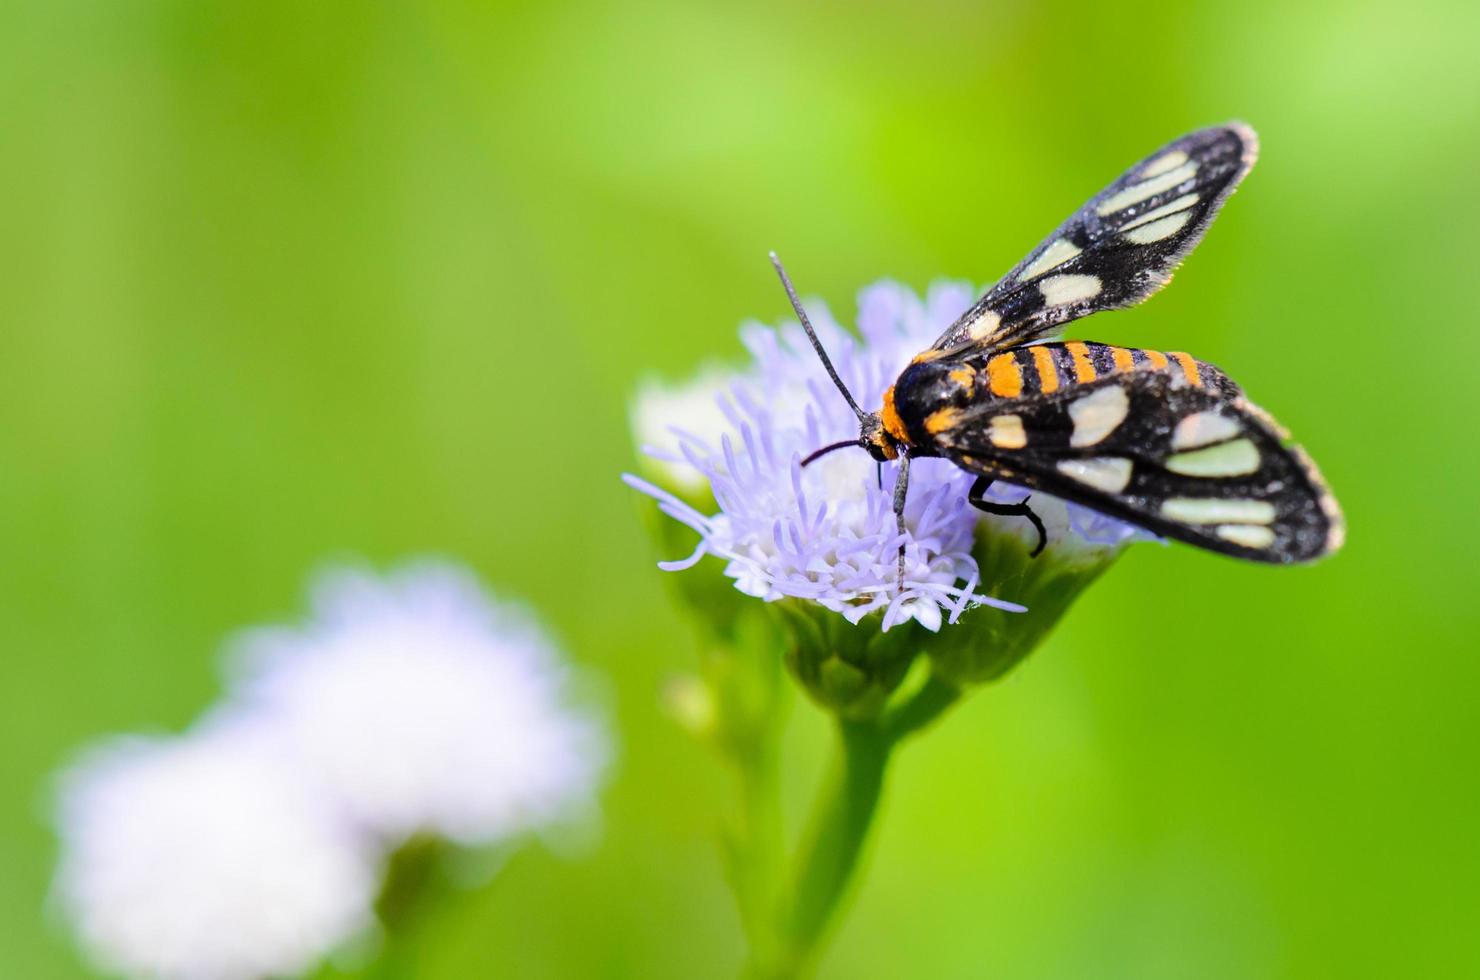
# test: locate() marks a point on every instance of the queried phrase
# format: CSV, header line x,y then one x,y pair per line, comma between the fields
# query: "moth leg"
x,y
975,498
901,489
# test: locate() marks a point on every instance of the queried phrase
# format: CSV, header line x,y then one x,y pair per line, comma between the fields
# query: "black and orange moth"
x,y
1160,440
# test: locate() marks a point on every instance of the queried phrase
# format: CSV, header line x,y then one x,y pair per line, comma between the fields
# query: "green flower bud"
x,y
688,700
849,670
986,643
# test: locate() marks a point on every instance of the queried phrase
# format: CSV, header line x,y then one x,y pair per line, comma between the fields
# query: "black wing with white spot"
x,y
1194,462
1118,249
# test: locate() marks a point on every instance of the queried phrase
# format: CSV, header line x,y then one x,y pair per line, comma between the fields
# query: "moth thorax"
x,y
927,387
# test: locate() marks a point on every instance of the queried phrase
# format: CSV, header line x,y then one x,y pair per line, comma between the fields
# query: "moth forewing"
x,y
1119,248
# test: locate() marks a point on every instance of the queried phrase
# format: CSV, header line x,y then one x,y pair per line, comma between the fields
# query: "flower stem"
x,y
840,822
751,708
754,849
928,703
414,886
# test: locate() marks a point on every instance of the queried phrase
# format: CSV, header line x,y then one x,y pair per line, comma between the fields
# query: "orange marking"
x,y
965,376
1157,358
1123,359
1048,375
939,421
1189,367
1004,375
893,424
1084,368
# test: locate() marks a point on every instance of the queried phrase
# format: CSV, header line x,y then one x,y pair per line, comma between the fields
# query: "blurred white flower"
x,y
663,414
424,706
204,858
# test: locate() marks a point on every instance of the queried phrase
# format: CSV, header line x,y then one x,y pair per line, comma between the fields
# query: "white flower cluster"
x,y
205,858
253,845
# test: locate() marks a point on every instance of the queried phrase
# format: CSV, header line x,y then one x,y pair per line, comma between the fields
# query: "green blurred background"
x,y
284,281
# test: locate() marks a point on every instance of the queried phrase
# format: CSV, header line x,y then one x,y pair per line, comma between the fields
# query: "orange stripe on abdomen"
x,y
1048,375
1084,368
1004,375
1156,359
1189,366
1122,359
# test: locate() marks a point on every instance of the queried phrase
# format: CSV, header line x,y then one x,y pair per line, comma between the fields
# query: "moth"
x,y
1161,440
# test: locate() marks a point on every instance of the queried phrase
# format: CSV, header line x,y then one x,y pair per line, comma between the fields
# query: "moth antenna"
x,y
832,372
817,454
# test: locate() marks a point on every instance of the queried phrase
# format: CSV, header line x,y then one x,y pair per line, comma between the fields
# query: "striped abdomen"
x,y
932,395
1045,368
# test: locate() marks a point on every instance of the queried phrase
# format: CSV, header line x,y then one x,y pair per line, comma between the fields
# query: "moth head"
x,y
871,436
876,439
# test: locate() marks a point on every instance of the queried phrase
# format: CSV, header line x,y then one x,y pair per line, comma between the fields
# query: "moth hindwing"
x,y
1159,440
1116,250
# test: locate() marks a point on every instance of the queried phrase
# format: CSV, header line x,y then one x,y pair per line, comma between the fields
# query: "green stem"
x,y
746,672
840,823
928,703
839,827
413,884
755,849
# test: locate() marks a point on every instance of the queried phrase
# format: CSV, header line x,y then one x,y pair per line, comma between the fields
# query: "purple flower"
x,y
827,533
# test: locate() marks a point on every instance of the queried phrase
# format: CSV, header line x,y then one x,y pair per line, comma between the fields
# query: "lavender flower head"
x,y
827,533
424,706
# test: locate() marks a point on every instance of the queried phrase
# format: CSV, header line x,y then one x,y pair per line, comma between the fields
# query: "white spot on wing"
x,y
1248,535
1057,253
1157,230
1180,204
1204,428
1217,510
1163,163
984,326
1059,290
1234,458
1096,416
1137,193
1006,432
1107,473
